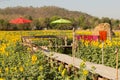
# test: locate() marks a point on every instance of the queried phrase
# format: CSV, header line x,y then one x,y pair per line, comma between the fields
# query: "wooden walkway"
x,y
104,71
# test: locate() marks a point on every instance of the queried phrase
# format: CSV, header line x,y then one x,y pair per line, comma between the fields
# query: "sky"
x,y
97,8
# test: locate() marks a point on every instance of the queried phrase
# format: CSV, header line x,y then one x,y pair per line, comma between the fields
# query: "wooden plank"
x,y
102,70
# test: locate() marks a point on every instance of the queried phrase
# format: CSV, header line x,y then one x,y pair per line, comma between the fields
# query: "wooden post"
x,y
102,52
65,40
50,44
55,45
116,52
73,45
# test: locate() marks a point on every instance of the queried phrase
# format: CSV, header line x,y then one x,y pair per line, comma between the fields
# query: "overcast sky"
x,y
98,8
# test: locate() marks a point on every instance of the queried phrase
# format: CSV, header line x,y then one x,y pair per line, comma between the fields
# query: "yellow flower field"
x,y
17,62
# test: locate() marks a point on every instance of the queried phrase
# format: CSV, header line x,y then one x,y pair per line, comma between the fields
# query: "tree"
x,y
74,23
47,23
81,21
37,24
105,20
116,24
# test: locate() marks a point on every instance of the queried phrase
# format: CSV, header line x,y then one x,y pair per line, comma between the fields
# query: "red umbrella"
x,y
20,21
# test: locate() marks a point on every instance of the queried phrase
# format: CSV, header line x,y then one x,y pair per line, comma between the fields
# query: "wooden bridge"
x,y
106,73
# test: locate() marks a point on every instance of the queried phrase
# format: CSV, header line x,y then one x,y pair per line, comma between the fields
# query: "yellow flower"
x,y
86,43
21,68
34,58
3,62
0,70
82,40
15,68
82,64
95,43
114,43
6,69
26,64
64,72
100,45
110,44
60,68
2,79
33,62
41,68
118,43
28,49
2,49
7,54
85,72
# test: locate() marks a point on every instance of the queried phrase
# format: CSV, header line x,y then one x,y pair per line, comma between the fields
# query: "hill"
x,y
39,12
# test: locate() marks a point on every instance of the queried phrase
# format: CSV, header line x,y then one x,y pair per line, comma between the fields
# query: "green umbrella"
x,y
61,21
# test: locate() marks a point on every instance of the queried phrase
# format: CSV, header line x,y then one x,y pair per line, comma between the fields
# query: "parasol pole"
x,y
73,45
20,31
103,37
